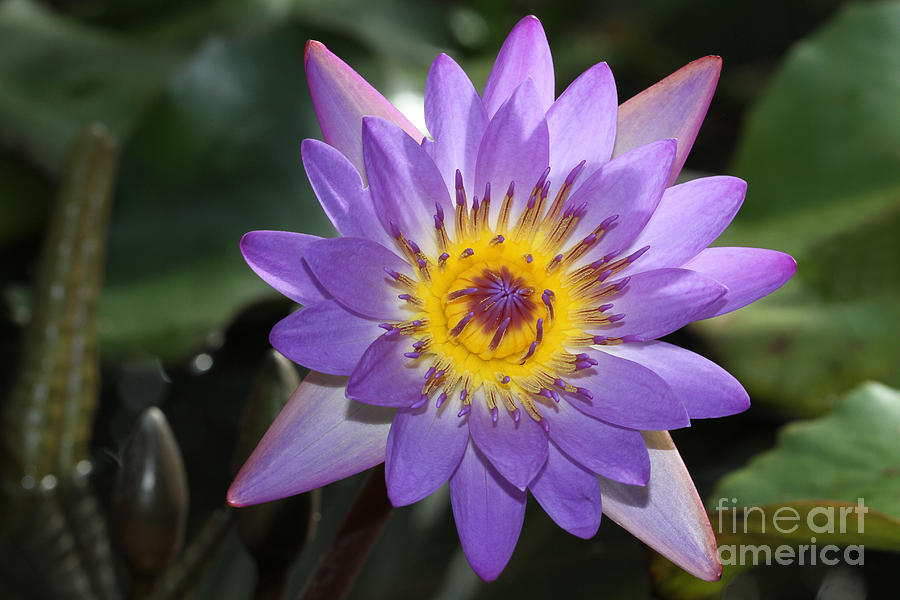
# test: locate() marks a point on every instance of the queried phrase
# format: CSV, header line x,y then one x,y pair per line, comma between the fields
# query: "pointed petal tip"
x,y
233,496
240,493
711,570
312,46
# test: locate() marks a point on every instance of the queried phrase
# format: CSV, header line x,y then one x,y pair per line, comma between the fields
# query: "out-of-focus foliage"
x,y
851,453
820,155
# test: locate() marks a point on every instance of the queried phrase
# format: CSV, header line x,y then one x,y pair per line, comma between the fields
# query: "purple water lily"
x,y
490,315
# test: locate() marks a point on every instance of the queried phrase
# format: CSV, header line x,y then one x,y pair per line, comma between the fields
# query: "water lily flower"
x,y
490,314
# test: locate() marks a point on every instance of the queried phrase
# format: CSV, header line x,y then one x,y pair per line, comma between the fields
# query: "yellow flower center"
x,y
502,308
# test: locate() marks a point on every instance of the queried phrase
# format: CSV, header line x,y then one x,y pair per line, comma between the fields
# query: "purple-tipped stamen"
x,y
460,293
420,402
464,410
570,179
530,352
585,393
494,415
620,285
498,335
412,354
607,222
616,318
461,325
637,254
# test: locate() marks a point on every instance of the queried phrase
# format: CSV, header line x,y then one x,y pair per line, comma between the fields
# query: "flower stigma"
x,y
504,309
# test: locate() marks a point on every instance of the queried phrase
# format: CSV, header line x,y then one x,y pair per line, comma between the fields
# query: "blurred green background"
x,y
208,103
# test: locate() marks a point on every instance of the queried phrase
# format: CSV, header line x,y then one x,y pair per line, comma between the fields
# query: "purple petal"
x,y
515,147
629,186
569,494
404,181
456,119
582,124
341,99
489,512
667,513
277,257
384,377
627,394
517,450
318,437
705,388
672,108
749,274
423,449
352,271
689,218
656,303
601,448
339,188
524,54
324,337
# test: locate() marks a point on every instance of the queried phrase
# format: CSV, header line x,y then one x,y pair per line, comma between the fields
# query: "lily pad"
x,y
827,129
832,480
59,75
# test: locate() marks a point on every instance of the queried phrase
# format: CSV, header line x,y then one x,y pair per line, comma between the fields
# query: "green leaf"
x,y
848,454
58,76
820,156
815,479
765,529
827,129
797,352
216,157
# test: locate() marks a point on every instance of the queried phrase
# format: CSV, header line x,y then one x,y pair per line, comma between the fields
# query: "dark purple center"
x,y
501,300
